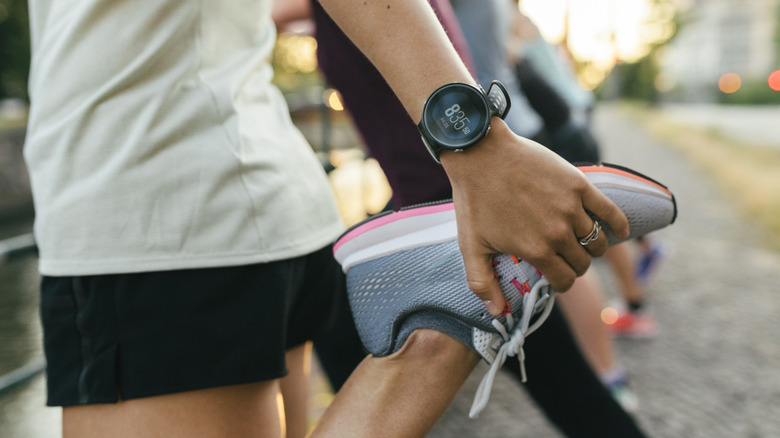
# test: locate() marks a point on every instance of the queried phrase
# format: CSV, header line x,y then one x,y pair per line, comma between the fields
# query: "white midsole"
x,y
432,228
444,232
610,180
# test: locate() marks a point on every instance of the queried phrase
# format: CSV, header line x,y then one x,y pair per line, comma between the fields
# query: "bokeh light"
x,y
729,83
296,53
609,315
774,80
333,100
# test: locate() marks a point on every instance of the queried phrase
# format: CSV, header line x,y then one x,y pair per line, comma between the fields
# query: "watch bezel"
x,y
472,138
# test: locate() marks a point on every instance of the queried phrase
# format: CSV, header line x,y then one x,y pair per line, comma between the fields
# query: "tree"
x,y
636,80
14,49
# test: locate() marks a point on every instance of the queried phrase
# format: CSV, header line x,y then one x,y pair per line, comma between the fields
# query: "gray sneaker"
x,y
405,272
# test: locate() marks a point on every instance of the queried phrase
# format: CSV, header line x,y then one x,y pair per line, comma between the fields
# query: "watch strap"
x,y
498,99
430,144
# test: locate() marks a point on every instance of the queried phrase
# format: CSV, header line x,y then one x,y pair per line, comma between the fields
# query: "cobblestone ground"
x,y
714,369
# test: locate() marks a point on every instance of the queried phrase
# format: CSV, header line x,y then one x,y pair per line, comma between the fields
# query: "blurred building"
x,y
719,37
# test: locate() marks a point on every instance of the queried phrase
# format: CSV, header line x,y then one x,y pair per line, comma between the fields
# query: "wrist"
x,y
493,145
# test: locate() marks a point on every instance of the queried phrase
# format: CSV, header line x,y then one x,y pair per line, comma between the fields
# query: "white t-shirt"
x,y
156,140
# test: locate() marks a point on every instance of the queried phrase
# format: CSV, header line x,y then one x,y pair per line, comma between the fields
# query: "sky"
x,y
600,31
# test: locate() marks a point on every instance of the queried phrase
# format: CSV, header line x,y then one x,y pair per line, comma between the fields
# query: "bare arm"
x,y
287,11
405,42
511,195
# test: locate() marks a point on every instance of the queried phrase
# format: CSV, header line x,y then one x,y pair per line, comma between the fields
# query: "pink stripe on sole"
x,y
398,215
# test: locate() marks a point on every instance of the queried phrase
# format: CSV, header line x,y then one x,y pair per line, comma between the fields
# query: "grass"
x,y
749,172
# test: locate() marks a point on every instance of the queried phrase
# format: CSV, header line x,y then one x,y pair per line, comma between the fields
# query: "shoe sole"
x,y
648,204
405,272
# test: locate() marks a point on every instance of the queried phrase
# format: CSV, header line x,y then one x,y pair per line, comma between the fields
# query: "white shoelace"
x,y
513,345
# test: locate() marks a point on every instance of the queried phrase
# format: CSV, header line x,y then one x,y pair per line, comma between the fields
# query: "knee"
x,y
428,346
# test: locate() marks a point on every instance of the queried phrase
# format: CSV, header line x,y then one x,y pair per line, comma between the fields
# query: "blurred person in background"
x,y
566,107
554,127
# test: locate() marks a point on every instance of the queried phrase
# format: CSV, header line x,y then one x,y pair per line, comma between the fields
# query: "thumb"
x,y
483,282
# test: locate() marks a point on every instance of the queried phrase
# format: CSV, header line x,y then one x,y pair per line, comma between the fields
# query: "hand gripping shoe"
x,y
405,272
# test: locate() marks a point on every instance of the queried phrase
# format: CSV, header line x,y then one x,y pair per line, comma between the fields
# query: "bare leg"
x,y
239,410
295,390
397,396
582,306
622,264
401,395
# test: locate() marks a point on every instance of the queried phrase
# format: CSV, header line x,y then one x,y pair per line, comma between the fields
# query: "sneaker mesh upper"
x,y
399,270
385,291
405,272
646,213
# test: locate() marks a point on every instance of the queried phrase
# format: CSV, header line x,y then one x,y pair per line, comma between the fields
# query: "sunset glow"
x,y
599,30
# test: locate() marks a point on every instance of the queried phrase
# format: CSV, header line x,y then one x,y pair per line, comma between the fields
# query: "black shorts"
x,y
128,336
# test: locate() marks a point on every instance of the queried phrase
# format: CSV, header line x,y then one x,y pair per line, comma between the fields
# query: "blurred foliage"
x,y
14,49
755,92
637,80
777,33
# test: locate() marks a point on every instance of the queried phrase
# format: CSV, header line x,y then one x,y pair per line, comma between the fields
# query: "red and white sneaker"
x,y
631,324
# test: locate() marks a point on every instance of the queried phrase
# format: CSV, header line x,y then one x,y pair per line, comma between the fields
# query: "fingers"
x,y
586,229
483,282
559,272
542,223
573,258
602,207
598,247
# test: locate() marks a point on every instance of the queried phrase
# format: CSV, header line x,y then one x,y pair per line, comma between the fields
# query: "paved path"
x,y
714,371
759,125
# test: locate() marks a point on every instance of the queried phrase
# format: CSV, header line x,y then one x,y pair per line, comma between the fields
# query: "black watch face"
x,y
456,116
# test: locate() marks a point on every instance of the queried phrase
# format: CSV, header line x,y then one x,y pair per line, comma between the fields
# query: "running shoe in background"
x,y
617,384
637,324
650,257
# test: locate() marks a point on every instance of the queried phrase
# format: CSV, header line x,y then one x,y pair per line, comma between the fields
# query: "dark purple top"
x,y
389,133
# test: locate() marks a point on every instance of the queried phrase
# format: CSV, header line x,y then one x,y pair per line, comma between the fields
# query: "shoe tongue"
x,y
516,278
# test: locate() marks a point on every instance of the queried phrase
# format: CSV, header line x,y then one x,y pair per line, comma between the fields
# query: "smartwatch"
x,y
457,116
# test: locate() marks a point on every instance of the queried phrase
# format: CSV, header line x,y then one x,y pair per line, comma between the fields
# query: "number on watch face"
x,y
457,118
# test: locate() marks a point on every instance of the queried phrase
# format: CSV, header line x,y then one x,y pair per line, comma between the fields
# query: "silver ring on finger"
x,y
594,234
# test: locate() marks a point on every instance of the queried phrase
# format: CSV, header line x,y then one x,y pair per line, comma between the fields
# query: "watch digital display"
x,y
457,118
